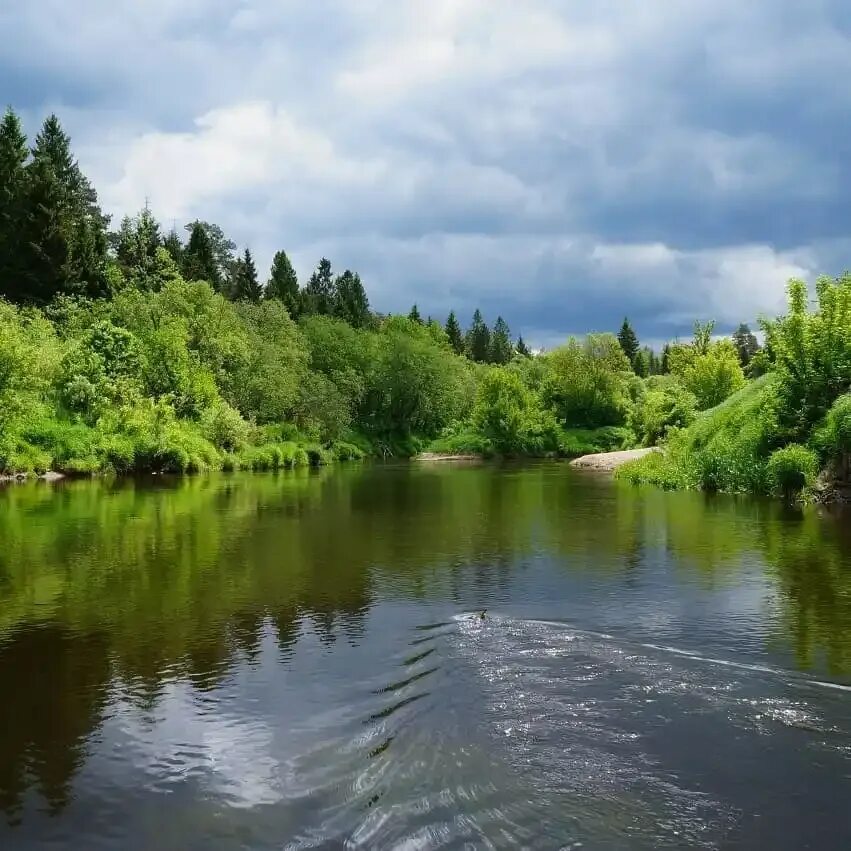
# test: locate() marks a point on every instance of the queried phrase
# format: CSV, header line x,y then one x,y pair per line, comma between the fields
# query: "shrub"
x,y
666,404
833,437
791,468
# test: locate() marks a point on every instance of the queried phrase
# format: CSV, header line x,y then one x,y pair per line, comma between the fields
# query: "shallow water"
x,y
299,661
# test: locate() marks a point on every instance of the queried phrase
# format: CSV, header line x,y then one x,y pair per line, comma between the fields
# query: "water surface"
x,y
299,661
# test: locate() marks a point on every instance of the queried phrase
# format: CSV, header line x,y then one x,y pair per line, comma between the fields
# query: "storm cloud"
x,y
560,163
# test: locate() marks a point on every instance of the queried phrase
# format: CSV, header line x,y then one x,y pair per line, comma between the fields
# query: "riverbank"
x,y
608,462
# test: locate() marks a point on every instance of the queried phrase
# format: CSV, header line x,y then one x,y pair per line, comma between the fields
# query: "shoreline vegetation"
x,y
124,349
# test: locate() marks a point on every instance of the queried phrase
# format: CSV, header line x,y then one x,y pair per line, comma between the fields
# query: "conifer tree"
x,y
350,301
453,332
13,156
478,339
414,315
246,286
199,261
63,232
746,344
641,363
522,349
283,284
664,363
136,246
318,295
628,340
500,343
174,246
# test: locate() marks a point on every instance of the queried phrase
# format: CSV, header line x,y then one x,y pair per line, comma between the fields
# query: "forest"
x,y
124,348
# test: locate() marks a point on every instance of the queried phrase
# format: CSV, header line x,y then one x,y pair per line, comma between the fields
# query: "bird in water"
x,y
483,614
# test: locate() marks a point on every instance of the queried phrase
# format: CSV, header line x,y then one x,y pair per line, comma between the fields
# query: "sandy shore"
x,y
609,461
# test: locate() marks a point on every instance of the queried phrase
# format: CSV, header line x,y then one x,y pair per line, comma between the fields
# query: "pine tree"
x,y
746,344
13,156
246,284
350,301
664,364
453,332
283,284
478,339
628,340
500,343
522,349
199,261
318,295
414,315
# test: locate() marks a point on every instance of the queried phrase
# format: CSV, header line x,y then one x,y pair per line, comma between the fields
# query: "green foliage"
x,y
747,345
350,302
664,405
319,294
833,437
283,284
510,417
501,350
628,341
811,352
246,285
725,449
453,334
574,442
478,339
587,383
711,371
791,468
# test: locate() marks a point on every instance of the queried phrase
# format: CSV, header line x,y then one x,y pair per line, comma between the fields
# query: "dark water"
x,y
297,662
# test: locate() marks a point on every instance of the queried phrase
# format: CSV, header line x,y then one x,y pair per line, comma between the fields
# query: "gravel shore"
x,y
609,461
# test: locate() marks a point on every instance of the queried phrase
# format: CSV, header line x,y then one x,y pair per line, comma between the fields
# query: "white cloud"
x,y
561,161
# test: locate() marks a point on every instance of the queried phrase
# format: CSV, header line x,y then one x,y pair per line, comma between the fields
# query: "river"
x,y
301,661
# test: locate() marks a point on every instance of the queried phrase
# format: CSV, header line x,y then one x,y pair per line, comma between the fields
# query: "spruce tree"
x,y
174,246
283,284
641,363
221,275
350,301
414,315
453,332
628,340
246,284
500,343
13,156
63,231
478,339
199,261
664,363
136,246
522,349
318,295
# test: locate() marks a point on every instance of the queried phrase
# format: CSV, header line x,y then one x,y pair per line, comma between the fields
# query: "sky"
x,y
562,164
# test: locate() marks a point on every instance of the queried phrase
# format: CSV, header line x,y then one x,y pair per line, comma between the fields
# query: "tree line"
x,y
134,349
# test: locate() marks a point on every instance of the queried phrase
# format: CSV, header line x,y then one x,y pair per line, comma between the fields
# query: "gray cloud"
x,y
559,163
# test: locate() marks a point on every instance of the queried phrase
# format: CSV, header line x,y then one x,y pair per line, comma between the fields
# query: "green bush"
x,y
833,438
575,442
665,404
791,468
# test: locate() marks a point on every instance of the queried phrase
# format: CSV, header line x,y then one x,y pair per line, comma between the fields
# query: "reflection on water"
x,y
299,661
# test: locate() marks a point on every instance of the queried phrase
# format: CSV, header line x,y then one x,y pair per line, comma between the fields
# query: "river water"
x,y
300,661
